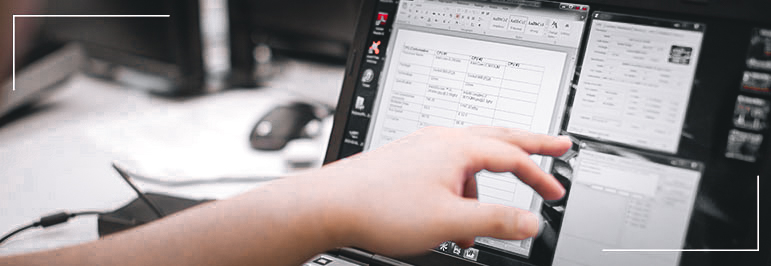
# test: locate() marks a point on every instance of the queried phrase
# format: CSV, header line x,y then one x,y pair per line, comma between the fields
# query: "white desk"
x,y
59,159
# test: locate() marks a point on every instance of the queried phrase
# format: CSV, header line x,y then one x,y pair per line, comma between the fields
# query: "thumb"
x,y
474,218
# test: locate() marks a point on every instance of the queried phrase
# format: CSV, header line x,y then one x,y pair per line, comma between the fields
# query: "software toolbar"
x,y
506,21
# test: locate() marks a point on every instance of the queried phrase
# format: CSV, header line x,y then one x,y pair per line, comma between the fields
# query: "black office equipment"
x,y
165,47
137,212
146,208
708,58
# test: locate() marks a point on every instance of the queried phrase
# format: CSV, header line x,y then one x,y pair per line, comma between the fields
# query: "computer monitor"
x,y
165,47
320,30
668,100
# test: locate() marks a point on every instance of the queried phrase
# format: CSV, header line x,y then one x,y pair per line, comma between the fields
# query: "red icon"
x,y
382,18
375,48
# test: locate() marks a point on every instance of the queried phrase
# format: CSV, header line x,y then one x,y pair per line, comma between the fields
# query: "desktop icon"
x,y
471,254
359,103
354,134
322,261
368,76
456,250
375,48
444,246
382,18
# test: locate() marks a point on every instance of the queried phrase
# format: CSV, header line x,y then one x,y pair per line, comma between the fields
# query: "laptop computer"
x,y
618,78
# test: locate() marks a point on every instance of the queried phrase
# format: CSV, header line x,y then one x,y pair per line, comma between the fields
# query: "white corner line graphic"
x,y
66,16
757,247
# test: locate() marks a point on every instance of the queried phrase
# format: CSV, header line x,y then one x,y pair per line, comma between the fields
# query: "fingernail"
x,y
529,224
564,138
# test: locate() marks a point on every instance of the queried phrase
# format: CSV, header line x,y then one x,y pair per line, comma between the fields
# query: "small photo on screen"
x,y
680,55
743,145
756,82
751,113
760,50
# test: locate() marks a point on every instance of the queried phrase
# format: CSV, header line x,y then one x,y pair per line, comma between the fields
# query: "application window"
x,y
636,81
624,200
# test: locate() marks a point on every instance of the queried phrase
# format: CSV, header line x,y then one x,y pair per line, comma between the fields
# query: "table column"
x,y
519,94
480,92
444,89
408,93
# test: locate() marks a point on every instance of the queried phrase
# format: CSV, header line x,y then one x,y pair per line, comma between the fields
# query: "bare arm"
x,y
401,199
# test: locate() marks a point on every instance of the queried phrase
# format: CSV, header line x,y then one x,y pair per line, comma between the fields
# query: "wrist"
x,y
336,210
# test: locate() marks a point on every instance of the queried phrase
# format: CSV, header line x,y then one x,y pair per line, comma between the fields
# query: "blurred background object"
x,y
161,54
40,64
204,46
260,30
299,51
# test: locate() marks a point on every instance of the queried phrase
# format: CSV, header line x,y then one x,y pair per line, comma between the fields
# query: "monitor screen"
x,y
457,64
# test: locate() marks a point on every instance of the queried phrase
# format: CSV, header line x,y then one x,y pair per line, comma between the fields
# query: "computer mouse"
x,y
281,125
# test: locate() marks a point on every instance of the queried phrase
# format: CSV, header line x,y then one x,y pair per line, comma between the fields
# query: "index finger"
x,y
496,156
527,141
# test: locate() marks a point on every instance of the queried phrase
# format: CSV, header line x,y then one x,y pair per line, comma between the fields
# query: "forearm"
x,y
282,223
400,199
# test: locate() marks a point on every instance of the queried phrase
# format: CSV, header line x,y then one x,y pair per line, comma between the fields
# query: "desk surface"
x,y
59,158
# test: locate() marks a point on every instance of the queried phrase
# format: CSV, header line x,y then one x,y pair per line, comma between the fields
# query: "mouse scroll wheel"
x,y
264,128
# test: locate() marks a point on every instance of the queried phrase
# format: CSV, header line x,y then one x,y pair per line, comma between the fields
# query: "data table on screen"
x,y
440,80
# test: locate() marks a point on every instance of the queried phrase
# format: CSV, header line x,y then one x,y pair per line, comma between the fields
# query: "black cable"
x,y
63,217
46,221
9,235
85,213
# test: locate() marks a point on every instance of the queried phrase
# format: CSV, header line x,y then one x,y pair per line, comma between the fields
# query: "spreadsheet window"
x,y
508,67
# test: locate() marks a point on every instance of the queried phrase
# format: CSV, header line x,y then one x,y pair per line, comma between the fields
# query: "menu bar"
x,y
561,24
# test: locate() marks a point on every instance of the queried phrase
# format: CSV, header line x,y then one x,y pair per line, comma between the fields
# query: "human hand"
x,y
400,199
413,194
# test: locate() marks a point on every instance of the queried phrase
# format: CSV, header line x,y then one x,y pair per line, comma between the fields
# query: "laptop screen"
x,y
460,63
653,92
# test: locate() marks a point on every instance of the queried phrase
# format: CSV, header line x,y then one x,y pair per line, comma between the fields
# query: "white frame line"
x,y
66,16
604,250
757,248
